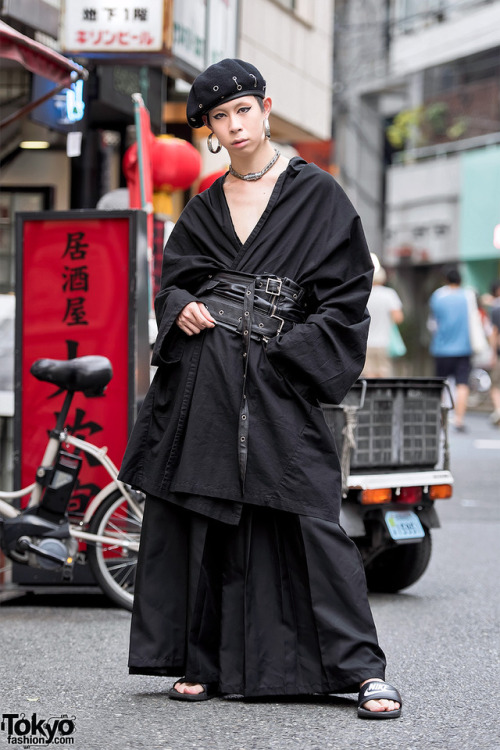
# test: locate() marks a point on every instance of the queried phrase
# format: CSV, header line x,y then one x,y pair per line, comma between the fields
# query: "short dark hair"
x,y
495,288
452,276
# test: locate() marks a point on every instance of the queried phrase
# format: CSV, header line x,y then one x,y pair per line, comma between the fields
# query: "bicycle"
x,y
43,535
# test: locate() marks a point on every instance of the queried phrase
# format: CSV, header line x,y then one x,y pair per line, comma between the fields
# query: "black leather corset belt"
x,y
257,306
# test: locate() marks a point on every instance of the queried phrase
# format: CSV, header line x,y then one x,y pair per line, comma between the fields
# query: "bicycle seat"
x,y
89,374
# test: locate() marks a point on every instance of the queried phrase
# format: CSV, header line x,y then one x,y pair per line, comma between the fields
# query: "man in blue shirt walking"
x,y
451,346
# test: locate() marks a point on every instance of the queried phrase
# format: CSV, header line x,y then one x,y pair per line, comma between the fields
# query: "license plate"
x,y
404,524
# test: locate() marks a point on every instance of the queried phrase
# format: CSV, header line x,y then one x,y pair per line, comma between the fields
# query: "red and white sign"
x,y
112,25
77,296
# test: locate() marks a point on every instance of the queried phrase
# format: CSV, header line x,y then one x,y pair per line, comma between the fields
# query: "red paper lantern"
x,y
176,163
209,179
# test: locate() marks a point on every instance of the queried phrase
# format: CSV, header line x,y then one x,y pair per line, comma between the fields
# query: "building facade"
x,y
417,127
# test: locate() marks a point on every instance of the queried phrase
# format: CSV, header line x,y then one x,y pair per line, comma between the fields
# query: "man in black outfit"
x,y
246,583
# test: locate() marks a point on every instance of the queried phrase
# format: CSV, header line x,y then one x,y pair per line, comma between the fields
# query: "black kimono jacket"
x,y
184,446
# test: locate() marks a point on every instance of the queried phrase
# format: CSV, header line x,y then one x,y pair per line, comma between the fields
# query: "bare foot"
x,y
379,705
192,688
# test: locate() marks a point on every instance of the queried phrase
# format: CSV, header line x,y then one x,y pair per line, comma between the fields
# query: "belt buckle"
x,y
281,320
273,281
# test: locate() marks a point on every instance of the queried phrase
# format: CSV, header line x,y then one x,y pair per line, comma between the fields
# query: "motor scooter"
x,y
392,438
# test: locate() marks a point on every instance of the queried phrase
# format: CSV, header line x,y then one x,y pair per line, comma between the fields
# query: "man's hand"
x,y
194,318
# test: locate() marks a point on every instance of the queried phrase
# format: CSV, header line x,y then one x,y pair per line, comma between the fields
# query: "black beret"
x,y
222,82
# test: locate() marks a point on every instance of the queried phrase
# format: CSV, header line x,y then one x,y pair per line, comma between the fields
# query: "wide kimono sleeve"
x,y
187,262
326,353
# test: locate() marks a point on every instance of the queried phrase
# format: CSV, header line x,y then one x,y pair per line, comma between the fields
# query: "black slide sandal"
x,y
376,691
209,691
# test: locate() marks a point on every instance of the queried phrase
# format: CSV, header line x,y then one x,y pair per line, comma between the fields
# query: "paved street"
x,y
66,655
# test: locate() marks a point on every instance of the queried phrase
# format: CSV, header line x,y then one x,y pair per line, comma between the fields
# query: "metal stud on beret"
x,y
220,83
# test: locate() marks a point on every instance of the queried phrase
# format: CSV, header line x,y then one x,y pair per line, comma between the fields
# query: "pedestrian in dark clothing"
x,y
246,583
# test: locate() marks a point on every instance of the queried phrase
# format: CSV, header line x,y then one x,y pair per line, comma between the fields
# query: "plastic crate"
x,y
398,425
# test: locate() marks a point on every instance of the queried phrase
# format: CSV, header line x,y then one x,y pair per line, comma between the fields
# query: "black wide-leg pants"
x,y
276,605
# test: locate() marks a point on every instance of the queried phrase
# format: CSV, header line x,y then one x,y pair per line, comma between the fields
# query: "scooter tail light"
x,y
409,495
373,497
440,491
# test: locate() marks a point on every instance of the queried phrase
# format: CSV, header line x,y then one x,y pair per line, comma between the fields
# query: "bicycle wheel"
x,y
114,565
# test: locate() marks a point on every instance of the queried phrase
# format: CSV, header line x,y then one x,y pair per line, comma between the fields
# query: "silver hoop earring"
x,y
211,146
267,129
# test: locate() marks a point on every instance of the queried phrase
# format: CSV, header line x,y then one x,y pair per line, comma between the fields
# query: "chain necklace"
x,y
252,176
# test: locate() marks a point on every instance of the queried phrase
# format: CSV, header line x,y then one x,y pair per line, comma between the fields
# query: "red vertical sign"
x,y
78,276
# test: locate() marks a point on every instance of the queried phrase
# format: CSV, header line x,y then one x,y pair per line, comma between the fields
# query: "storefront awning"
x,y
39,59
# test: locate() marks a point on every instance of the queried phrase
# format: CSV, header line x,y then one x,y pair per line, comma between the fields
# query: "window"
x,y
13,200
410,16
290,4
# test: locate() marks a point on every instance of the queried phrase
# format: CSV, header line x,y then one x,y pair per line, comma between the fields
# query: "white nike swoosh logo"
x,y
375,689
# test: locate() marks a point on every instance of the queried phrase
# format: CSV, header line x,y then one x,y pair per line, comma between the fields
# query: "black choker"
x,y
252,176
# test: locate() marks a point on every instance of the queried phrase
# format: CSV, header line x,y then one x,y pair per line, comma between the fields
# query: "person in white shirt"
x,y
385,308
